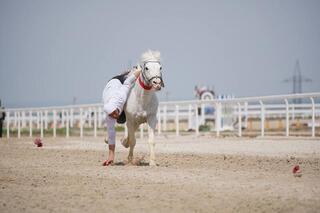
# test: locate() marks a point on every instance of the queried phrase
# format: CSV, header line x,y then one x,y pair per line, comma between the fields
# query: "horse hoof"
x,y
152,163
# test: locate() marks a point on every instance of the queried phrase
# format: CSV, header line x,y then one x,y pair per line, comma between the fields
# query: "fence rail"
x,y
232,115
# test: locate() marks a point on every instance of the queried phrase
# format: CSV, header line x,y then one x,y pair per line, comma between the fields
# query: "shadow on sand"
x,y
123,163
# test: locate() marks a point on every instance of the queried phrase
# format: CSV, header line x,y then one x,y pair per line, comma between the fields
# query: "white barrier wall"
x,y
192,112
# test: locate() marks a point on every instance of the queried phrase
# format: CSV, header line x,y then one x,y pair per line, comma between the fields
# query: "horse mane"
x,y
150,55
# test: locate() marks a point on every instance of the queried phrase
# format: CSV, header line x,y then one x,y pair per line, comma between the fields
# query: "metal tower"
x,y
297,79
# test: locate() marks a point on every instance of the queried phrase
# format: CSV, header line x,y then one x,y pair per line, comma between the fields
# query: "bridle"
x,y
145,76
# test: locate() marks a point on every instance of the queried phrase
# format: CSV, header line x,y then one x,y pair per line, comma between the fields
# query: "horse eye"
x,y
160,68
146,68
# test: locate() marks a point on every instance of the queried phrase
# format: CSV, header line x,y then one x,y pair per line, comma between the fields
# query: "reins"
x,y
143,85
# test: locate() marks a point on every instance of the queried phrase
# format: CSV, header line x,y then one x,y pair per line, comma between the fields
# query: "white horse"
x,y
142,102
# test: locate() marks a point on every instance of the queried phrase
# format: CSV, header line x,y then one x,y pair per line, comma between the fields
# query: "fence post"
x,y
15,123
81,123
46,119
38,120
99,117
262,118
23,117
197,119
239,120
63,119
71,118
292,110
203,120
165,118
41,124
246,114
189,117
54,123
287,118
313,117
90,118
30,124
19,124
177,120
218,118
8,124
67,117
95,122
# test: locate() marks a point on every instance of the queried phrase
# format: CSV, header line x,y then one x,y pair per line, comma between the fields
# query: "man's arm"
x,y
124,90
132,76
111,130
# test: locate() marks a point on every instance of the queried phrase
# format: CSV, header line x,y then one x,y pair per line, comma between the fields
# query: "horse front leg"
x,y
151,129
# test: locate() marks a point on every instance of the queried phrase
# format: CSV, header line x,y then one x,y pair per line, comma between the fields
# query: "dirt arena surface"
x,y
202,174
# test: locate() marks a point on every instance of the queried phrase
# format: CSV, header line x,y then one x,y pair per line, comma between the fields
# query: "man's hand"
x,y
136,72
115,114
111,156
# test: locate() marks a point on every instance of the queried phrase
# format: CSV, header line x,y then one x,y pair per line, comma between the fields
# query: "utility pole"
x,y
74,100
297,79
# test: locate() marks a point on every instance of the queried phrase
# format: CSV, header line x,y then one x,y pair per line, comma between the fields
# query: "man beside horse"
x,y
114,97
140,103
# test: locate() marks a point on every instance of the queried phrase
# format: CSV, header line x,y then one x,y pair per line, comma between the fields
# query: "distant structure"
x,y
297,79
74,100
204,93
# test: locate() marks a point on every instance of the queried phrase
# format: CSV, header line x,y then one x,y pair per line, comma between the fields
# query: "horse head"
x,y
151,70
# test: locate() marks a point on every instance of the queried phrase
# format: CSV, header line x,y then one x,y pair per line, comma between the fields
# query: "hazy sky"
x,y
52,51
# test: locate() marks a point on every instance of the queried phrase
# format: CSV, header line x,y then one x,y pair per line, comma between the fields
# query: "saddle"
x,y
122,77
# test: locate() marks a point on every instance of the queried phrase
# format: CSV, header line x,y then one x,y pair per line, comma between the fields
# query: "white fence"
x,y
231,115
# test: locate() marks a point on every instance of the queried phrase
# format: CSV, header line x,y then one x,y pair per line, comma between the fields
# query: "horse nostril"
x,y
155,82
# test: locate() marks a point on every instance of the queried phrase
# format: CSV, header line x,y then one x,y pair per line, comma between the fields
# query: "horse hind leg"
x,y
131,142
152,122
132,145
151,147
125,140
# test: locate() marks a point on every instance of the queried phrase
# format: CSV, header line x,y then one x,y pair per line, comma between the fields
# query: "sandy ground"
x,y
201,174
